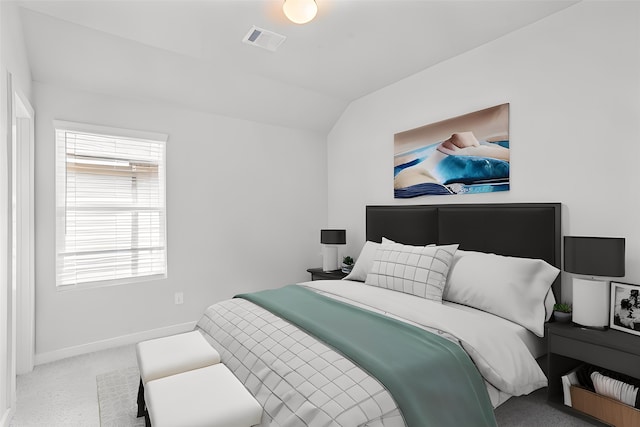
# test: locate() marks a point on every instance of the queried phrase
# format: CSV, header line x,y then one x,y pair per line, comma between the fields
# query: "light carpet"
x,y
118,393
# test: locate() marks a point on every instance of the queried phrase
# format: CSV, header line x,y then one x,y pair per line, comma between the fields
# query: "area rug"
x,y
117,397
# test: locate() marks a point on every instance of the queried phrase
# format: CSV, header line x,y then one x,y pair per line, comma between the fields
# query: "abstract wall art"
x,y
461,155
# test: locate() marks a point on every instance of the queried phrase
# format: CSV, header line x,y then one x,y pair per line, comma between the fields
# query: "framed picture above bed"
x,y
464,154
625,307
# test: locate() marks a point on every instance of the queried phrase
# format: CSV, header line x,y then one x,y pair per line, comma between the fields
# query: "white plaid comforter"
x,y
298,380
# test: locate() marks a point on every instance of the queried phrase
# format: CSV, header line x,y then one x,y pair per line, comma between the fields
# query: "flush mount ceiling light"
x,y
300,11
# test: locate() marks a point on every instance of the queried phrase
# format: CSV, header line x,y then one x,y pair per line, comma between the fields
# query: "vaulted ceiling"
x,y
190,53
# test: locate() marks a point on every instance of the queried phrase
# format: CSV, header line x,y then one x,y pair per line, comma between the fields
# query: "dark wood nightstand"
x,y
318,274
568,346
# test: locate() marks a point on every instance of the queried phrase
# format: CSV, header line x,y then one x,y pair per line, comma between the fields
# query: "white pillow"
x,y
416,270
364,262
509,287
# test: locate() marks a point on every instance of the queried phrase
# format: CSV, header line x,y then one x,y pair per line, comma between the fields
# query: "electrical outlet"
x,y
178,297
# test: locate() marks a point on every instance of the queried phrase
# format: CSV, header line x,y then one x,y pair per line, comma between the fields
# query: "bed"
x,y
491,279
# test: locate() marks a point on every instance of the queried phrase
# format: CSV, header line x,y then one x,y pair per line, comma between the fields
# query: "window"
x,y
110,205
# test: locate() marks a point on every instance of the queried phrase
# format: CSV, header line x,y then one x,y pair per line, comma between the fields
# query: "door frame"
x,y
7,367
24,284
17,232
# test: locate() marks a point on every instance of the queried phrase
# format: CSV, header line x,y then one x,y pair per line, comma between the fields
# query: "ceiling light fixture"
x,y
300,11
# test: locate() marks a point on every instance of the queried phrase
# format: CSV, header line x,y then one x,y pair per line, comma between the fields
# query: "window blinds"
x,y
110,192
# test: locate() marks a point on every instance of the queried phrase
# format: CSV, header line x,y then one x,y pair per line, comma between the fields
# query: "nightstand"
x,y
318,274
568,346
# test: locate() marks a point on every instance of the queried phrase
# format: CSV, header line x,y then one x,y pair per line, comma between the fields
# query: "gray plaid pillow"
x,y
417,270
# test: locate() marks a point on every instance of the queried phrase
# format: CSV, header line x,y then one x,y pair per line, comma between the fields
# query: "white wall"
x,y
245,202
13,52
573,84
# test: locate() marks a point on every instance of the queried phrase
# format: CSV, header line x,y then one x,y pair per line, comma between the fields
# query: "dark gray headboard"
x,y
529,230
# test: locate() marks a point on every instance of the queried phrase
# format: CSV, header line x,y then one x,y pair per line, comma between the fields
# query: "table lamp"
x,y
329,240
593,256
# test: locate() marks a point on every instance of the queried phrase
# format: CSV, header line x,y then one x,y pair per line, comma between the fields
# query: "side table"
x,y
318,274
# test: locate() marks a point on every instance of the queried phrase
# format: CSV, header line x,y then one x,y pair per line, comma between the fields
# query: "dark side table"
x,y
318,274
568,346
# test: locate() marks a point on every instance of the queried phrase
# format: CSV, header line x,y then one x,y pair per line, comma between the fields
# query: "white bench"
x,y
205,397
162,357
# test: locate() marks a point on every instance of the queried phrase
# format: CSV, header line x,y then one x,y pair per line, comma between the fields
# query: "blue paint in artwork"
x,y
431,189
469,169
421,154
420,190
397,169
456,174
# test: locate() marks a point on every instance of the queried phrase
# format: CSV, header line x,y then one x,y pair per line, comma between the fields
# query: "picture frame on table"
x,y
625,308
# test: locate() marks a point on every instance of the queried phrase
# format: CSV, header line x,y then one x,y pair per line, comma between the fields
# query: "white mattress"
x,y
504,352
536,345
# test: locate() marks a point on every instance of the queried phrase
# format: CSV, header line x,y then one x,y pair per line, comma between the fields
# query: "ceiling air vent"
x,y
263,38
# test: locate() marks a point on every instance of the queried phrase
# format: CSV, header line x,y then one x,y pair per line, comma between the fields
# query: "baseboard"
x,y
52,356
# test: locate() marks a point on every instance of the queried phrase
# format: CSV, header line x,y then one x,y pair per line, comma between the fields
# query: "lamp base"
x,y
329,258
591,303
595,328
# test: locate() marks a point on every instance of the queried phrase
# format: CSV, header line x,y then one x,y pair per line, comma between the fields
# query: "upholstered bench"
x,y
210,396
162,357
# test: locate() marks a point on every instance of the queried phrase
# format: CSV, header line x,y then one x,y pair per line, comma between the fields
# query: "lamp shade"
x,y
594,256
333,237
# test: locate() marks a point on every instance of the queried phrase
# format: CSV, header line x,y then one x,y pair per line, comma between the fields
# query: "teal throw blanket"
x,y
433,381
